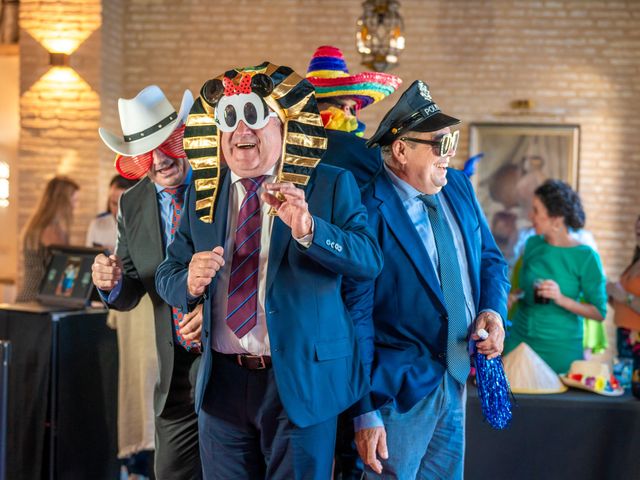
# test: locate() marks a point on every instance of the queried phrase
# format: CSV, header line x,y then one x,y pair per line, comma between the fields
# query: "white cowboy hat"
x,y
147,120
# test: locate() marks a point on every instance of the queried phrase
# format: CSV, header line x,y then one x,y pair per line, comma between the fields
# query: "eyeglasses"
x,y
135,167
446,144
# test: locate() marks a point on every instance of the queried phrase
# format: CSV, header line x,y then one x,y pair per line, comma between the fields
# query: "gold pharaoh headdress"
x,y
288,94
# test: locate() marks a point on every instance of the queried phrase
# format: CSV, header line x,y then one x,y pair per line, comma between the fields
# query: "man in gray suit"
x,y
151,147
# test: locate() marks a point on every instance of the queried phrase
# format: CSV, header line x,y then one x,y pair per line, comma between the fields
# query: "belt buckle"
x,y
261,365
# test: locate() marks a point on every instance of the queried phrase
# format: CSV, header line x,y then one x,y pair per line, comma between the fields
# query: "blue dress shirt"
x,y
165,209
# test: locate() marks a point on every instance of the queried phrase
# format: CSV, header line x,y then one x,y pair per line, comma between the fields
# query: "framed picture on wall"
x,y
516,159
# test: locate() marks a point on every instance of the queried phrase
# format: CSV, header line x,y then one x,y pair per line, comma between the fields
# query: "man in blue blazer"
x,y
443,280
280,357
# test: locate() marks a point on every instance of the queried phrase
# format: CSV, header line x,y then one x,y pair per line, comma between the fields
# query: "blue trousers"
x,y
246,434
427,442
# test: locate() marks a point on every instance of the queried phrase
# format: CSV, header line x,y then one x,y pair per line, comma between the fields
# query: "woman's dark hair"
x,y
561,200
120,182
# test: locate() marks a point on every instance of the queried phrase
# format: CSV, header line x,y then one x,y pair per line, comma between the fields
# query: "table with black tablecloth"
x,y
62,390
572,435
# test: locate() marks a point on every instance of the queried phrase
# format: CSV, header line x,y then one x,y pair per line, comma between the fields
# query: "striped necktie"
x,y
457,356
177,201
242,301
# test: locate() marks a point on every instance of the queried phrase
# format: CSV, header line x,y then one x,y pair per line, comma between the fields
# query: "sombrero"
x,y
329,75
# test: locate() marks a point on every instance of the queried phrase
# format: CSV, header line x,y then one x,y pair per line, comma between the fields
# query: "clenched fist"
x,y
202,268
106,272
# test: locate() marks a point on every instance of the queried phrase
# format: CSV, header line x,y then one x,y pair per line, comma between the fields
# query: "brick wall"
x,y
577,60
59,108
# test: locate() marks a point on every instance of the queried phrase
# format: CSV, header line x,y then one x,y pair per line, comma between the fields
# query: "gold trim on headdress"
x,y
301,161
200,142
286,86
203,162
306,140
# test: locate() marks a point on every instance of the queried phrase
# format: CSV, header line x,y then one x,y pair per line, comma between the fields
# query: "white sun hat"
x,y
147,120
530,374
592,376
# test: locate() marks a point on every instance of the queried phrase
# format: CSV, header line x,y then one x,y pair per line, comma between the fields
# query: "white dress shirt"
x,y
256,341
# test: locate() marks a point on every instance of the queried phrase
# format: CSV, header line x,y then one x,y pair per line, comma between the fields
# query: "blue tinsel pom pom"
x,y
493,391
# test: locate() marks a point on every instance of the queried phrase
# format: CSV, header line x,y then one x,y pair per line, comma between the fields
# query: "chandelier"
x,y
380,34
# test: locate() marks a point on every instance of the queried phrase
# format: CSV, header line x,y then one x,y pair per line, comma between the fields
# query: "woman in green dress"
x,y
561,281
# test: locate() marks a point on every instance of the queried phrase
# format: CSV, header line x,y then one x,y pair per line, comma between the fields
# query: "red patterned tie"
x,y
243,283
177,200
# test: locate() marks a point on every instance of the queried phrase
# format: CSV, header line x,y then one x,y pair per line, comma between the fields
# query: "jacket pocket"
x,y
332,349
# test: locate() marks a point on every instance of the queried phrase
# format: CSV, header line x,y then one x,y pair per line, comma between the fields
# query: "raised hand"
x,y
290,203
493,345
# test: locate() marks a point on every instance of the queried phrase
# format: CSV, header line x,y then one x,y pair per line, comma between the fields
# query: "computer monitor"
x,y
67,281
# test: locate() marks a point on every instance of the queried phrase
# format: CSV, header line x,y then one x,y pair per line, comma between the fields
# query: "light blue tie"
x,y
451,284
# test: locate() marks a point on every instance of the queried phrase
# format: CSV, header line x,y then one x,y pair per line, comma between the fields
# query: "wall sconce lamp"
x,y
522,104
4,184
59,59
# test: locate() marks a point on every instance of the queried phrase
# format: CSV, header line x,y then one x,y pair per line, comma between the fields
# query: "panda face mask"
x,y
248,107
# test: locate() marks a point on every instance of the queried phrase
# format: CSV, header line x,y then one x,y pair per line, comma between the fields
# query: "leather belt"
x,y
254,362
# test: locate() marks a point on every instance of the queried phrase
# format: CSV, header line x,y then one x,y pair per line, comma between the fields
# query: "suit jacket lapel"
x,y
150,221
405,232
216,232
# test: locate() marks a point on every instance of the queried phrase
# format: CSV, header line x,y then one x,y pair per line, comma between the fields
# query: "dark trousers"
x,y
177,455
246,434
348,464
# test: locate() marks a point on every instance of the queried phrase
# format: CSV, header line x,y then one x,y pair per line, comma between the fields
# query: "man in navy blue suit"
x,y
443,280
267,259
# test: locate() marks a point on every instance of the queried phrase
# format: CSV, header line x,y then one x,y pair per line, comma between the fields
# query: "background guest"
x,y
595,334
103,230
624,297
137,359
557,272
49,225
